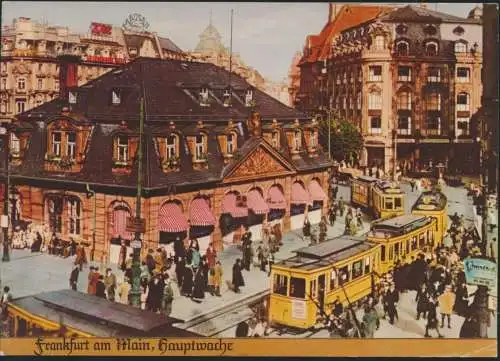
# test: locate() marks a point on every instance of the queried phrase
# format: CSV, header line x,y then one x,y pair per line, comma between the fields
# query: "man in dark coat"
x,y
37,244
150,262
100,289
179,272
338,309
432,321
73,278
199,285
332,215
179,250
247,249
123,254
187,281
242,329
237,276
155,294
391,298
470,328
422,300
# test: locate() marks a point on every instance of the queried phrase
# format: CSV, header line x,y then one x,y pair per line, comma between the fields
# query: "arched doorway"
x,y
54,212
202,222
277,205
318,197
300,201
258,210
234,216
118,213
172,224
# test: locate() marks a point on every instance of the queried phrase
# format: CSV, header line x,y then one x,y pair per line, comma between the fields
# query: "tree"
x,y
346,139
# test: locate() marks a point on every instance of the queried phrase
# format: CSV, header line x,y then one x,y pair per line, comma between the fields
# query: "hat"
x,y
448,287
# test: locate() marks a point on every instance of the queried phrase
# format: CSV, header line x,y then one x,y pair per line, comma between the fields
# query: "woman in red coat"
x,y
211,254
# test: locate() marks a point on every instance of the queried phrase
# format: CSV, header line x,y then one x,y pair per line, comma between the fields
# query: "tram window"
x,y
382,254
408,246
389,203
414,243
367,265
391,253
344,274
312,286
421,241
397,203
357,269
333,279
297,287
396,248
280,284
22,328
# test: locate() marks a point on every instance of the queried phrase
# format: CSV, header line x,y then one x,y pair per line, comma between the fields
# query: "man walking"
x,y
73,278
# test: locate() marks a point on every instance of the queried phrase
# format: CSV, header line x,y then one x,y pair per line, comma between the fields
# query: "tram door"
x,y
321,291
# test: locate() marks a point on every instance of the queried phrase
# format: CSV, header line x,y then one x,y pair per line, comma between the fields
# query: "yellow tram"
x,y
317,275
70,313
381,198
433,204
402,238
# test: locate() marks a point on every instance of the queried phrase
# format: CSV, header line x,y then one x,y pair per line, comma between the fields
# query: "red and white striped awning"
x,y
120,215
317,193
299,194
171,219
276,199
229,206
200,214
256,203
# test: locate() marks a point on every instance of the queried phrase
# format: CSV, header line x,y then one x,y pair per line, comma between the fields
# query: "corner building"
x,y
215,158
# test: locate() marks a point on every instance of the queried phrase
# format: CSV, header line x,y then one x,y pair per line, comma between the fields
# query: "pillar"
x,y
388,158
287,188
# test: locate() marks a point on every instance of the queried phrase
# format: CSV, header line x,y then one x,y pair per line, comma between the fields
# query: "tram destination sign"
x,y
480,272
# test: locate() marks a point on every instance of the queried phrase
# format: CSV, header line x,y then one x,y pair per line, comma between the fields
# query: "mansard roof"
x,y
412,13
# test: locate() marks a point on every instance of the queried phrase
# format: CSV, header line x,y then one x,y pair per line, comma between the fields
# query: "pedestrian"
x,y
247,250
470,327
150,261
359,217
462,299
391,299
332,215
422,300
145,275
335,192
155,294
237,280
128,266
215,279
264,258
338,308
370,319
446,305
432,321
124,291
323,228
205,270
242,330
37,244
179,250
110,283
187,281
4,302
144,294
179,272
341,206
194,255
199,286
306,230
158,257
73,278
93,277
412,185
278,234
100,288
122,258
168,296
211,255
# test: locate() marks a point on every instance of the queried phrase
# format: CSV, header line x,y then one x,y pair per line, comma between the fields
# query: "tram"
x,y
71,313
433,204
402,238
317,275
380,198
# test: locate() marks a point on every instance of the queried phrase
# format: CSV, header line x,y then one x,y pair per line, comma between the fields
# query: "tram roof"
x,y
97,316
366,178
388,186
400,221
428,200
327,253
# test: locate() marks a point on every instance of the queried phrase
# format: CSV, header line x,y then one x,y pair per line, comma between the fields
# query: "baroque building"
x,y
215,158
29,71
409,78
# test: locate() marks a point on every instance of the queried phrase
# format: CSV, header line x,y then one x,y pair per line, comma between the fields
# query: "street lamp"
x,y
90,194
5,217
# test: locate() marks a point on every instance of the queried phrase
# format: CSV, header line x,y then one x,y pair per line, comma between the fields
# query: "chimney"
x,y
68,74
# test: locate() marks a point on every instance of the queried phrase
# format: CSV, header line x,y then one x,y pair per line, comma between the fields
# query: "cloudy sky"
x,y
266,35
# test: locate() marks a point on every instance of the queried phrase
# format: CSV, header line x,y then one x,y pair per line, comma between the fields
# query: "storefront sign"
x,y
480,272
101,29
299,309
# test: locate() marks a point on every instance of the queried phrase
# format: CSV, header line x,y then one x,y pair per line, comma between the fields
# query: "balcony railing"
x,y
374,131
427,132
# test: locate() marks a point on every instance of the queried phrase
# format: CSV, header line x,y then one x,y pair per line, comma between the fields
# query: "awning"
x,y
256,203
229,206
317,193
276,199
299,194
200,214
171,219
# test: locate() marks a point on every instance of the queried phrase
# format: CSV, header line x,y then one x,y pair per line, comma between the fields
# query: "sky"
x,y
266,35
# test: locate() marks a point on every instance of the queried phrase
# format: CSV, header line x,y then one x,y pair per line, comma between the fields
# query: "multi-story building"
x,y
215,158
278,90
29,67
294,78
410,79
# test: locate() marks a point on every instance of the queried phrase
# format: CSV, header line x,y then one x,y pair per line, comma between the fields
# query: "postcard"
x,y
249,179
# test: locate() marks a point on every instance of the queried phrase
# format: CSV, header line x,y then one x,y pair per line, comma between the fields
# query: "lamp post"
x,y
5,216
90,194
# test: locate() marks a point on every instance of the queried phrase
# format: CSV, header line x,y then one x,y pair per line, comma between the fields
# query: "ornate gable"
x,y
261,162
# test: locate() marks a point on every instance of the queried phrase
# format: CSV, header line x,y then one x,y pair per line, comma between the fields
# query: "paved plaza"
x,y
29,274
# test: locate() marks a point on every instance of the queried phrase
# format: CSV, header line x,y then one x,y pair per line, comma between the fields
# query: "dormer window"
x,y
56,144
297,141
204,97
123,151
313,140
227,97
72,97
200,151
460,47
275,140
15,144
116,96
171,146
230,143
248,97
71,145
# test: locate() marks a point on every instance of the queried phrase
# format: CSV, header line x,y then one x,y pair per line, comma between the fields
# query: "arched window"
x,y
200,151
433,101
404,100
460,47
463,102
21,83
375,101
379,42
74,209
431,49
402,48
172,146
